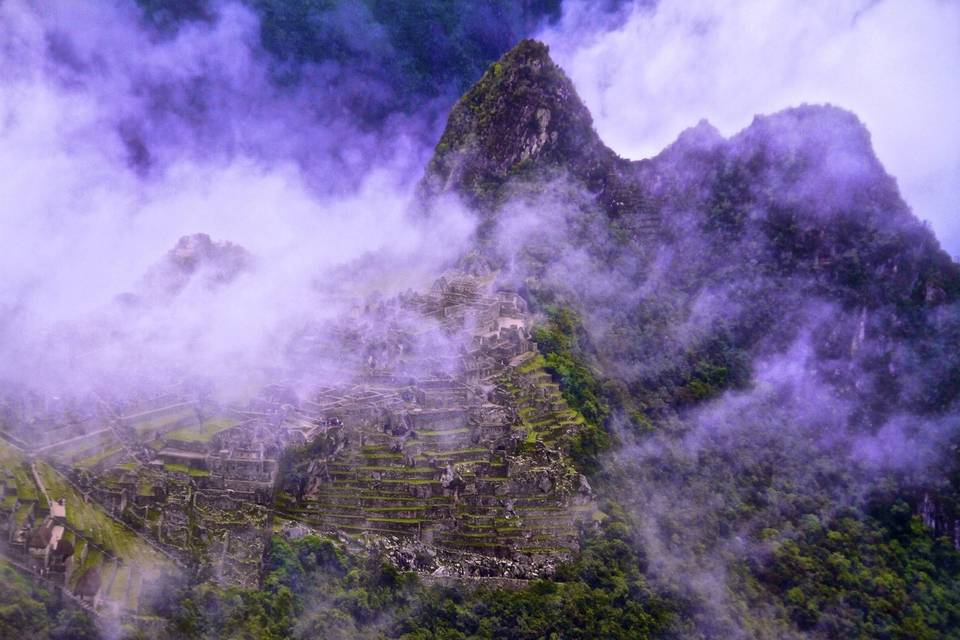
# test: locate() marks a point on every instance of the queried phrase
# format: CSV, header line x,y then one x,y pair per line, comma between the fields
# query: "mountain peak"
x,y
523,114
196,256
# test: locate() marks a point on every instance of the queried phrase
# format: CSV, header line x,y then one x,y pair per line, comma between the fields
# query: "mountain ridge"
x,y
524,122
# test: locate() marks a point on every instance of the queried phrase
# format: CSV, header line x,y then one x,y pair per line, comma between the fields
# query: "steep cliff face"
x,y
739,237
524,118
797,195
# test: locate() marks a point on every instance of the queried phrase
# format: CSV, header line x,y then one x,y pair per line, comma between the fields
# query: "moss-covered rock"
x,y
525,119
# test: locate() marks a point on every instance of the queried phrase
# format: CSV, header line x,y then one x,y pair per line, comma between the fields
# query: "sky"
x,y
892,62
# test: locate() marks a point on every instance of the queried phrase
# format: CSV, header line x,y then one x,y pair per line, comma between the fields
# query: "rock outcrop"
x,y
524,118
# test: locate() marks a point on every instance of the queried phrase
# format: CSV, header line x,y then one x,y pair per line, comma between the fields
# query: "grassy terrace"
x,y
368,510
11,460
455,452
21,514
93,558
165,420
360,495
118,590
86,446
360,517
203,432
190,471
532,365
371,468
404,500
96,525
87,517
95,459
412,481
133,595
386,456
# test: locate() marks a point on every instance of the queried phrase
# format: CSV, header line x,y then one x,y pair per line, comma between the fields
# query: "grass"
x,y
94,559
85,446
440,434
78,547
97,458
190,471
11,460
161,421
118,590
133,595
382,456
397,520
87,517
374,448
531,365
362,495
95,524
403,469
202,433
21,514
454,452
544,550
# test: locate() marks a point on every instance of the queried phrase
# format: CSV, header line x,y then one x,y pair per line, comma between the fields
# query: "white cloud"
x,y
893,62
230,155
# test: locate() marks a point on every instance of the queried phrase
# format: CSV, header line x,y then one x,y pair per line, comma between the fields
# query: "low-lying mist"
x,y
118,142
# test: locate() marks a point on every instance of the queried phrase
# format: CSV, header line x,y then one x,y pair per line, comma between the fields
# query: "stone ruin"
x,y
442,470
442,446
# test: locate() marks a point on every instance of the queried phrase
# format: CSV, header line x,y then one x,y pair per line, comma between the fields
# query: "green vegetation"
x,y
764,521
203,432
159,422
97,458
861,577
559,340
102,530
13,462
87,517
91,445
28,610
313,588
190,471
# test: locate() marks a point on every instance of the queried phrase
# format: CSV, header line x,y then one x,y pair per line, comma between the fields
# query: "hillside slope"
x,y
773,331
